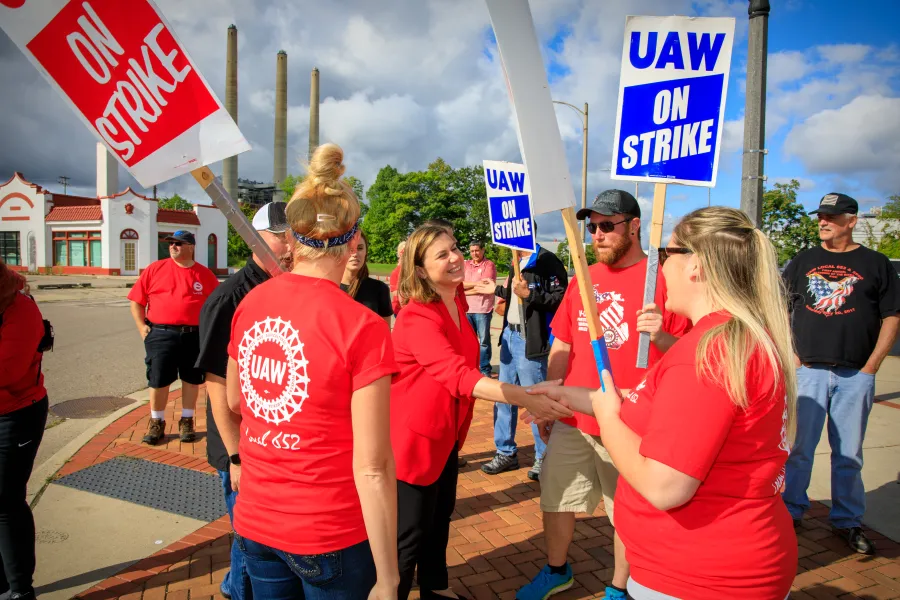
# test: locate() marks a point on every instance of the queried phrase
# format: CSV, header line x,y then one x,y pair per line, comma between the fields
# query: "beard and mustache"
x,y
610,255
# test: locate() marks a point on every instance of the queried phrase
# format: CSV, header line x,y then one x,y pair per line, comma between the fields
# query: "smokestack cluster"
x,y
107,172
280,172
313,111
230,165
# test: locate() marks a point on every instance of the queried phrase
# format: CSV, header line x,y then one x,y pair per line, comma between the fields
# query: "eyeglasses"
x,y
605,226
665,253
176,244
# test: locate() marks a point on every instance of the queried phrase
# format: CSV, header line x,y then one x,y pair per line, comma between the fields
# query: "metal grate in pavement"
x,y
164,487
90,408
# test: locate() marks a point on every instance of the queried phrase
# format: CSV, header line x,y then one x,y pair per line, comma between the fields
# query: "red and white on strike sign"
x,y
122,69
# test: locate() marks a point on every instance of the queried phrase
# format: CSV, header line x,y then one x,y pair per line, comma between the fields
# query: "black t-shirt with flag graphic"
x,y
838,300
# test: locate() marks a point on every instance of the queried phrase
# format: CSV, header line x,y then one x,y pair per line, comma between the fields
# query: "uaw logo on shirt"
x,y
612,318
272,370
830,286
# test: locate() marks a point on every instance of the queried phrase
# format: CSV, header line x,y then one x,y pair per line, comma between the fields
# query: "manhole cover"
x,y
50,537
90,408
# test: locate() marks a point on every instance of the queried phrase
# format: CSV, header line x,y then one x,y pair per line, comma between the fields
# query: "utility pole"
x,y
64,181
584,156
154,192
755,112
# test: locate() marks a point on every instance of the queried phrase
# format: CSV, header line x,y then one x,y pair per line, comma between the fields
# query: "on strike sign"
x,y
509,205
672,99
126,75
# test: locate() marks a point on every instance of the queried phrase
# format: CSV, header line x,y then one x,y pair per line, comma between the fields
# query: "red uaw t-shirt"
x,y
734,538
619,294
303,347
173,294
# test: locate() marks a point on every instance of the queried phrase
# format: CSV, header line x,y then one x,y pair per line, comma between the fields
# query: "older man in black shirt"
x,y
845,300
215,333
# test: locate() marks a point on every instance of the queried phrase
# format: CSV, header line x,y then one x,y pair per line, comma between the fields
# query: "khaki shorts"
x,y
577,472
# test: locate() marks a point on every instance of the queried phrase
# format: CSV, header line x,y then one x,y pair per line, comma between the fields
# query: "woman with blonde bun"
x,y
310,372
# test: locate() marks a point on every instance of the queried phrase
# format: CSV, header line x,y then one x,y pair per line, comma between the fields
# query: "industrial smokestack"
x,y
107,172
280,123
313,111
230,165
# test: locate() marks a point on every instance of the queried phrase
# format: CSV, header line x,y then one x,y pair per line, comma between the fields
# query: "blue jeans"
x,y
518,370
236,583
347,574
845,396
481,323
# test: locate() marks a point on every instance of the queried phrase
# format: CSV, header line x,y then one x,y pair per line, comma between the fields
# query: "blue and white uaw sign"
x,y
672,90
509,205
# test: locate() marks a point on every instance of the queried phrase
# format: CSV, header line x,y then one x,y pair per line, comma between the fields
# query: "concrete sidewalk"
x,y
97,547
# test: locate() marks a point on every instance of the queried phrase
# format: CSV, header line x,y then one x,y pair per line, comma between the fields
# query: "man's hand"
x,y
145,331
649,320
235,472
485,286
520,288
383,591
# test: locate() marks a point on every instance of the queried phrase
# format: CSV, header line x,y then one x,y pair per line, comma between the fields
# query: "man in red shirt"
x,y
577,471
165,303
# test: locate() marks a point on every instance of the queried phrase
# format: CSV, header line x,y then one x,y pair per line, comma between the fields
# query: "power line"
x,y
64,181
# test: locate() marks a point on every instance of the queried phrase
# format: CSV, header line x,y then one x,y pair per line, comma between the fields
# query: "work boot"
x,y
156,431
186,429
501,463
856,539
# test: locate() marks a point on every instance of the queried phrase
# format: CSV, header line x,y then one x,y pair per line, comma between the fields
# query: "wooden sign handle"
x,y
586,291
656,227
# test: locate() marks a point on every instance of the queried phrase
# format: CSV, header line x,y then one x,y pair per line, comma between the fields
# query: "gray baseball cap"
x,y
612,202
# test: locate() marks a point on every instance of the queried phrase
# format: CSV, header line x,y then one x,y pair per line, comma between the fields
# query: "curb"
x,y
41,476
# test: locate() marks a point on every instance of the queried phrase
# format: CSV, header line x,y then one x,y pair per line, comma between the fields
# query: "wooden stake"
x,y
232,211
656,227
586,290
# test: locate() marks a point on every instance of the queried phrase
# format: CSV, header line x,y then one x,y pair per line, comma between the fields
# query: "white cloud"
x,y
859,140
784,67
806,184
843,54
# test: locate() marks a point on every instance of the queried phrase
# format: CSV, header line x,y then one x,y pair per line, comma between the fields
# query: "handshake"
x,y
488,286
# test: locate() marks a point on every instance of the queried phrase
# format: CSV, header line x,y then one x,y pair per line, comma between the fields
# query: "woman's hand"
x,y
383,591
545,408
575,398
606,404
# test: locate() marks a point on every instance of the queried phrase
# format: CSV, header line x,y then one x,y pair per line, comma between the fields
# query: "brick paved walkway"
x,y
496,542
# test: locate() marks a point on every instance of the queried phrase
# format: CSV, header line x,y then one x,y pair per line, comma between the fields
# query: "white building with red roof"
x,y
111,234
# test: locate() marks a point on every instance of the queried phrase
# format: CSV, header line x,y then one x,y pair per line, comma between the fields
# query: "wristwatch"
x,y
235,459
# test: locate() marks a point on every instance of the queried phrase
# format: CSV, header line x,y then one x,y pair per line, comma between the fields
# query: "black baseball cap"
x,y
836,204
185,237
612,202
271,217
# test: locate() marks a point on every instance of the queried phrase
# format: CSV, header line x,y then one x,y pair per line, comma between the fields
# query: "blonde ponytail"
x,y
741,271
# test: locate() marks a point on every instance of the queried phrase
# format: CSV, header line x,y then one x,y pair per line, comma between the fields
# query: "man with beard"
x,y
577,470
222,424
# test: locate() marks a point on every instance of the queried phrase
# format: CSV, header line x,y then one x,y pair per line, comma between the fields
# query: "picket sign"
x,y
130,81
541,144
656,227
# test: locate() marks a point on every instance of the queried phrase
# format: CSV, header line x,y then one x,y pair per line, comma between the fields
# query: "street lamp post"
x,y
584,155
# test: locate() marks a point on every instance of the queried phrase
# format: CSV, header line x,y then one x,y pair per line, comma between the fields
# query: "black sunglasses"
x,y
605,226
176,244
664,253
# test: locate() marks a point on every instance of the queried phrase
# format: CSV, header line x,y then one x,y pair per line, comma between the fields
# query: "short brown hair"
x,y
413,287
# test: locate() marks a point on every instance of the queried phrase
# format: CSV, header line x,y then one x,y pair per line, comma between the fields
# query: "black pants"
x,y
21,432
423,523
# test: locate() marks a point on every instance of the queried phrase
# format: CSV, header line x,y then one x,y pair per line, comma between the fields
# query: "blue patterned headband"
x,y
330,242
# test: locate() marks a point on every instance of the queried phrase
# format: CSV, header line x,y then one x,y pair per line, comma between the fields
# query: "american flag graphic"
x,y
830,295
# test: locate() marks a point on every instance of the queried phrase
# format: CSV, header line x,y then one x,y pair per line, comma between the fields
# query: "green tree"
x,y
562,252
785,221
289,184
238,251
888,223
175,201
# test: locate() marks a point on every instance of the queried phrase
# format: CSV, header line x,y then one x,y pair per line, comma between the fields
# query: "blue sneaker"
x,y
614,594
545,584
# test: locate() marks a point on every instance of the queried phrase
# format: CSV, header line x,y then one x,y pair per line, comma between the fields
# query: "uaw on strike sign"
x,y
672,99
509,205
121,68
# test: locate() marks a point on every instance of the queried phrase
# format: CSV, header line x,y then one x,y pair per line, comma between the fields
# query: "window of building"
x,y
77,249
10,250
212,247
163,251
